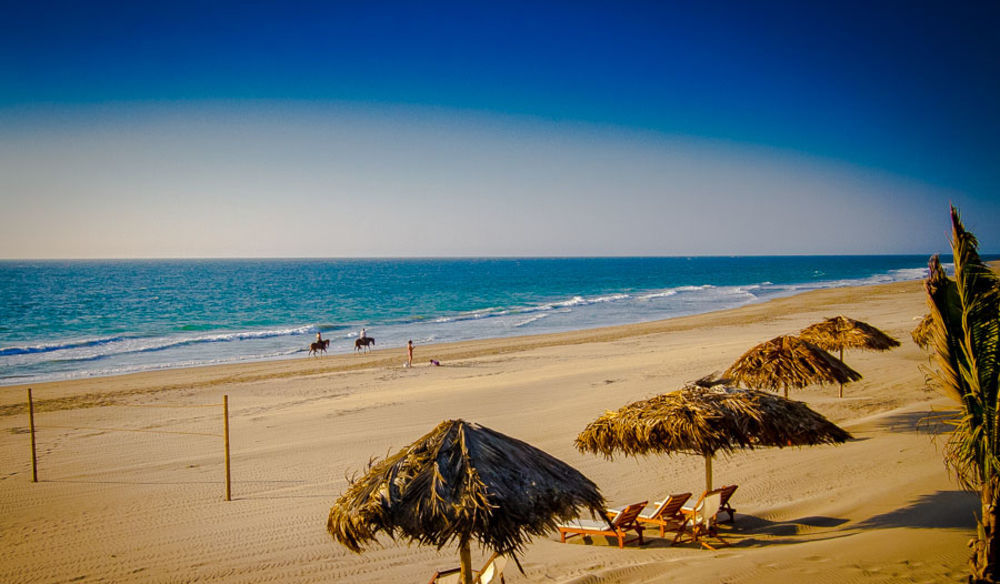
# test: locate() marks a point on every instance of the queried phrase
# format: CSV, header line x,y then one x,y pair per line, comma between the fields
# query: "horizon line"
x,y
469,257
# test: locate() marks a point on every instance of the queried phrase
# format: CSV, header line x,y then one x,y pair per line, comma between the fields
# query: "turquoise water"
x,y
65,319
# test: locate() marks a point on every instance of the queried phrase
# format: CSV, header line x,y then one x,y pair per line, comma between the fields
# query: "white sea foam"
x,y
115,354
915,273
534,318
574,301
164,343
610,298
71,344
111,347
153,366
652,295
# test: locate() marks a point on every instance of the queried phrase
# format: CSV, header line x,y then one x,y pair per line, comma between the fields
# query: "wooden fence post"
x,y
31,427
225,433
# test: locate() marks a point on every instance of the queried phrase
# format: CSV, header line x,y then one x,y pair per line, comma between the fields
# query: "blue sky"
x,y
576,128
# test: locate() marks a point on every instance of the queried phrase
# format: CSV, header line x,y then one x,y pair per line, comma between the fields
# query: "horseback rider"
x,y
320,345
364,334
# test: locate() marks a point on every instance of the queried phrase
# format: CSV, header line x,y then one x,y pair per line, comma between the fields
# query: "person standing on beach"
x,y
409,353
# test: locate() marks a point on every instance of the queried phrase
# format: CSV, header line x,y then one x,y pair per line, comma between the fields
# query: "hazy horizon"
x,y
985,253
565,130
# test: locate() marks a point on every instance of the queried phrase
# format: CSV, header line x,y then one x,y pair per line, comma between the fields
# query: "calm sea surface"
x,y
67,319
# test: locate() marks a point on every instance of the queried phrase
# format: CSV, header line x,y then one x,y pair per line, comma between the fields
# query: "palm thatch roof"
x,y
707,421
840,332
788,362
462,482
923,333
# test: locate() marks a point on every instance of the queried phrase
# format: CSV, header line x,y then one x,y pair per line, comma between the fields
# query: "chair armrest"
x,y
440,573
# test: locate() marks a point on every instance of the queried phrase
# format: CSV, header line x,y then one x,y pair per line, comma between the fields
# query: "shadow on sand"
x,y
744,532
940,510
927,422
752,531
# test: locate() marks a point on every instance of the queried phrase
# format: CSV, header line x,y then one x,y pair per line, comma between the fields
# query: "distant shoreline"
x,y
93,319
210,376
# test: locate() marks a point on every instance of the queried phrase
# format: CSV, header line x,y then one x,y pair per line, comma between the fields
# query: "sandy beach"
x,y
148,505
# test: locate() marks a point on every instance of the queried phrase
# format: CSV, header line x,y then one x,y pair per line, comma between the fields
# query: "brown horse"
x,y
318,346
364,343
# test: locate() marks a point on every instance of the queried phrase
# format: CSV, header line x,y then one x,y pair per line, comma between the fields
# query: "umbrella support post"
x,y
31,428
465,555
841,360
225,437
708,472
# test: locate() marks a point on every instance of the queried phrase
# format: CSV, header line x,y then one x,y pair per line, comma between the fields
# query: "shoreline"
x,y
135,331
134,492
207,376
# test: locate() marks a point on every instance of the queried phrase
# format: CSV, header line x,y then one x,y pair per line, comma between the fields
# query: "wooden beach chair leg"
x,y
677,538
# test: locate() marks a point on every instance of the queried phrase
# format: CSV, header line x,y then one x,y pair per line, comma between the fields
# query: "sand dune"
x,y
116,506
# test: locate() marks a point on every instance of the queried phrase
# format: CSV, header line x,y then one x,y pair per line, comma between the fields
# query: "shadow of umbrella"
x,y
707,419
940,510
788,361
756,532
458,483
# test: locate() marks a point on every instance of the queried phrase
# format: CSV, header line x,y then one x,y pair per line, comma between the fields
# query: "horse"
x,y
365,342
318,346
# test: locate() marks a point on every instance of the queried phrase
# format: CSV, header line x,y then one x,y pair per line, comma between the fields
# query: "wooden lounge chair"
x,y
492,573
667,515
727,493
617,525
701,520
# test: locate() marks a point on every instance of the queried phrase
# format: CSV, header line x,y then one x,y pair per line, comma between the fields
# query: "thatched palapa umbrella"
x,y
707,421
840,332
788,361
458,483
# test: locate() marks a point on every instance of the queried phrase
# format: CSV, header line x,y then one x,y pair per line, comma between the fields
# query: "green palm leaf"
x,y
965,337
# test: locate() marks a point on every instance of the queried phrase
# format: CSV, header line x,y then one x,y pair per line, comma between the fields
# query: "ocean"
x,y
72,319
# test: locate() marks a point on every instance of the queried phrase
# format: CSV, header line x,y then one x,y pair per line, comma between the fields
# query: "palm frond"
x,y
922,334
965,312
